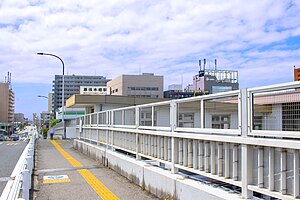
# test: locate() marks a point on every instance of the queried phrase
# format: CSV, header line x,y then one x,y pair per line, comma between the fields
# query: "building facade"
x,y
50,102
72,85
7,107
45,118
146,85
19,117
215,81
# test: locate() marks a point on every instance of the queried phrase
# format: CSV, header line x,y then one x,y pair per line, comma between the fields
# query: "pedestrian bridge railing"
x,y
249,138
20,184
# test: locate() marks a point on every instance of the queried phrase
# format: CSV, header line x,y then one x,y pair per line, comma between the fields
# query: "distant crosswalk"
x,y
12,143
9,143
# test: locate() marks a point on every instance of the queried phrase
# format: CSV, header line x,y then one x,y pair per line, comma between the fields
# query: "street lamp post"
x,y
63,88
42,96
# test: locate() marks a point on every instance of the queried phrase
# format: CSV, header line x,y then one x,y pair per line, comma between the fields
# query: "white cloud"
x,y
166,37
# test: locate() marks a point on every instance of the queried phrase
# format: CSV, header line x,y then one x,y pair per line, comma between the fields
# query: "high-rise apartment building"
x,y
7,107
146,85
72,85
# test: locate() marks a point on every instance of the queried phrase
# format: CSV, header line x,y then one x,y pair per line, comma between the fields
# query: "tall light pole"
x,y
63,88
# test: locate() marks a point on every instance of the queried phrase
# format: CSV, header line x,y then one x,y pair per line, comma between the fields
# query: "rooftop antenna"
x,y
215,64
200,64
204,63
10,81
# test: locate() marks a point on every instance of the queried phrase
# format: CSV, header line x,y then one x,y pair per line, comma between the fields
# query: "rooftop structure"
x,y
213,81
296,74
146,85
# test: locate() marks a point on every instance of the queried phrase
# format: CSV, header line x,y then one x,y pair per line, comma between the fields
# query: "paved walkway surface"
x,y
88,179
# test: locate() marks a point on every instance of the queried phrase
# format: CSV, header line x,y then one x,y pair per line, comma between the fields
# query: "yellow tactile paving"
x,y
67,156
99,188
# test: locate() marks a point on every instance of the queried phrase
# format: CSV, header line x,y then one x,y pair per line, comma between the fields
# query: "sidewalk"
x,y
88,179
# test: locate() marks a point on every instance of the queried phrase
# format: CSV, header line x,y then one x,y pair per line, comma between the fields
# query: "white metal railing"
x,y
248,138
20,184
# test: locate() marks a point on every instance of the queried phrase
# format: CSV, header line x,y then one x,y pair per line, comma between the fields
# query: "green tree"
x,y
53,122
45,131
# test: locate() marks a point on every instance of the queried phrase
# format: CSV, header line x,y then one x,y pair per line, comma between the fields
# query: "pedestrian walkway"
x,y
63,173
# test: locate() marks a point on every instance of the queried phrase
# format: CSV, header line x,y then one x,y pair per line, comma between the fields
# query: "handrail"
x,y
20,184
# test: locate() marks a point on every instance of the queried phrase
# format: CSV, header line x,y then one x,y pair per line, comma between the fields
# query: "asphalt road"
x,y
9,156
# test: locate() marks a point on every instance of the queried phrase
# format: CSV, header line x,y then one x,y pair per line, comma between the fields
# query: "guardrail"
x,y
249,138
20,184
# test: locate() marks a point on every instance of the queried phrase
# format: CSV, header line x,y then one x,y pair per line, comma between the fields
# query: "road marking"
x,y
99,188
12,143
56,179
65,169
5,179
95,183
67,156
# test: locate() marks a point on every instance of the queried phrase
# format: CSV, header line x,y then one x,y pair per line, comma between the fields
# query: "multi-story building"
x,y
72,85
212,81
45,118
7,107
146,85
19,117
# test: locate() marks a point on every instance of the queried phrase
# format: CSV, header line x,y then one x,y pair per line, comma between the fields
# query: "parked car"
x,y
4,135
14,137
1,137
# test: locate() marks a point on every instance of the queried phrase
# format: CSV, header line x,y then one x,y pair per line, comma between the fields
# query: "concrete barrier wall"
x,y
160,182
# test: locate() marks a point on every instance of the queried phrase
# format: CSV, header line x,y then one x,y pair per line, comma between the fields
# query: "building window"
x,y
104,89
90,89
291,116
100,89
95,89
221,121
116,90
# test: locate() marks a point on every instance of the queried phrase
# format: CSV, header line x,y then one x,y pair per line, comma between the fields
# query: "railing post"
x,y
174,141
202,114
247,150
26,182
296,173
29,167
80,127
137,136
106,133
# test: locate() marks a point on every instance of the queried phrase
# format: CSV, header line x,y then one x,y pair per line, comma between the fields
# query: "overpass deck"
x,y
85,179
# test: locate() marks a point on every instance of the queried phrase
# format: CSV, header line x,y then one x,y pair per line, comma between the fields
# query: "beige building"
x,y
146,85
7,107
50,97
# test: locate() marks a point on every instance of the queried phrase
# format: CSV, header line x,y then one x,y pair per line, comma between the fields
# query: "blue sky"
x,y
260,39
